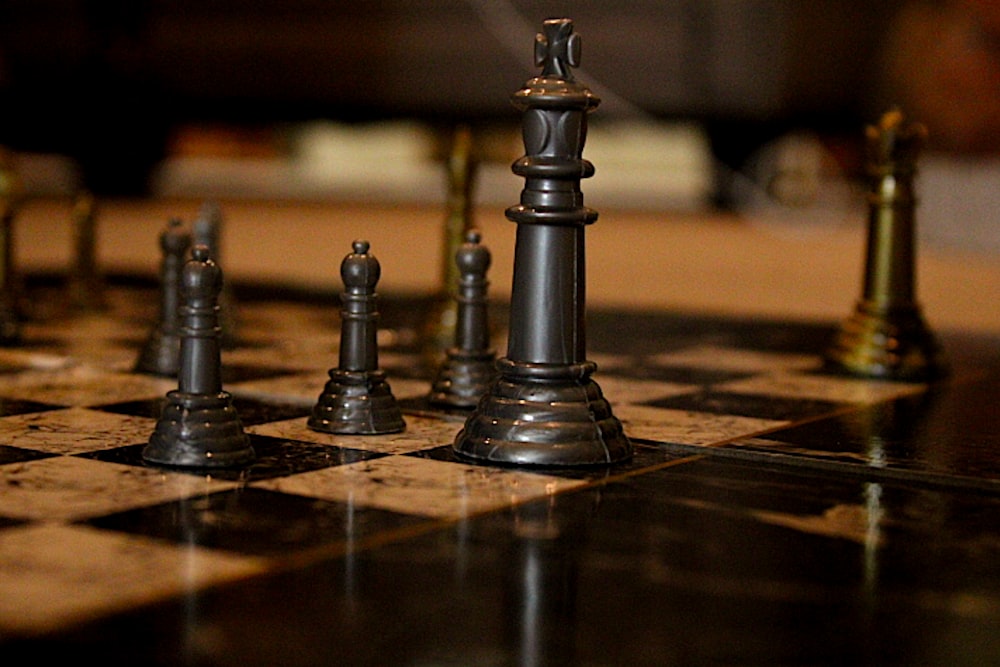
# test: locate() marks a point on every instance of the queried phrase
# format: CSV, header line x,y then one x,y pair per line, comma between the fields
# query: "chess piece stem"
x,y
886,336
544,409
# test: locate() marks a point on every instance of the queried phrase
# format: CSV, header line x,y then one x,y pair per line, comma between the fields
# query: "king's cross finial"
x,y
557,49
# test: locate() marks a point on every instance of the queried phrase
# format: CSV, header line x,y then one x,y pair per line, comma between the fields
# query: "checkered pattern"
x,y
75,495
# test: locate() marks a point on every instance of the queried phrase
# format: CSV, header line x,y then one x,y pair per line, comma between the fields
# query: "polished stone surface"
x,y
772,514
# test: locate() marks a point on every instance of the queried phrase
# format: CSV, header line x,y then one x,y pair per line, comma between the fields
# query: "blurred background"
x,y
744,105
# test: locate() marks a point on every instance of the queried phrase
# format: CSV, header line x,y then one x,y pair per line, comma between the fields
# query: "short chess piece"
x,y
470,364
198,426
544,409
886,336
207,230
160,354
357,398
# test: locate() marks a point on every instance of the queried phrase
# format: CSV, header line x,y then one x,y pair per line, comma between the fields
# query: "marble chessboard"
x,y
102,554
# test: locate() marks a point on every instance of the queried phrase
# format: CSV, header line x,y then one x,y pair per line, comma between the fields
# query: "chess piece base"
x,y
10,324
463,379
199,431
883,343
543,415
160,355
356,403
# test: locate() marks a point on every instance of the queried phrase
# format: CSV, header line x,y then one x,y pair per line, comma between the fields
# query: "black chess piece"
x,y
357,398
160,354
470,364
544,409
198,426
886,336
207,230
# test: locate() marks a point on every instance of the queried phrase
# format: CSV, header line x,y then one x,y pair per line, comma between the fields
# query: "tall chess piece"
x,y
199,427
886,336
544,409
160,354
470,364
357,399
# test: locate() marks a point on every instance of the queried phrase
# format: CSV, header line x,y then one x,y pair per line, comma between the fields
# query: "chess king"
x,y
544,409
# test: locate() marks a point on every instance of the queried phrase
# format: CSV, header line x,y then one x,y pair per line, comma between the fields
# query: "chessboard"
x,y
764,495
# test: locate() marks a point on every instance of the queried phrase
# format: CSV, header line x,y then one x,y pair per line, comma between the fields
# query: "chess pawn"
x,y
886,336
198,426
160,355
207,230
470,364
357,399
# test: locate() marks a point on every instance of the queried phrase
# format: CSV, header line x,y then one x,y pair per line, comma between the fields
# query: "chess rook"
x,y
198,426
470,364
357,399
544,409
160,355
886,336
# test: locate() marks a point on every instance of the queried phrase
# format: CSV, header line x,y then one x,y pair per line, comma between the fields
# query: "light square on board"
x,y
84,385
420,433
70,488
74,430
105,571
424,487
685,427
739,360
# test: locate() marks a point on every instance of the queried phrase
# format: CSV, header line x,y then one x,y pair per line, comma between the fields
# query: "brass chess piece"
x,y
886,336
462,164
